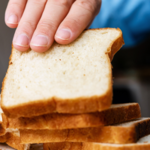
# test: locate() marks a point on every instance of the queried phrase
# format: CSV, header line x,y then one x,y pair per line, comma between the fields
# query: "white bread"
x,y
13,140
10,136
142,144
3,123
32,147
117,113
74,78
123,133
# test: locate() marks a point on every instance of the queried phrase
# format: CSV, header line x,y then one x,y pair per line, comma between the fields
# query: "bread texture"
x,y
3,123
10,136
123,133
142,144
74,78
117,113
3,138
13,140
64,146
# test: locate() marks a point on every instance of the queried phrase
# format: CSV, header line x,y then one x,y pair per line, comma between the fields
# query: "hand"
x,y
40,22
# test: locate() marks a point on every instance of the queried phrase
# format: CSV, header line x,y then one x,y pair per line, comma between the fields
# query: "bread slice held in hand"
x,y
142,144
117,113
74,78
123,133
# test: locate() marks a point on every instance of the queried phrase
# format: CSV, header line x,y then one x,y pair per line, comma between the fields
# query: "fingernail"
x,y
22,40
64,34
40,40
13,19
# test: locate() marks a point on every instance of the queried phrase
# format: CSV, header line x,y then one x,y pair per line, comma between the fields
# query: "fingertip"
x,y
11,25
12,21
41,43
21,42
64,36
20,48
39,49
63,42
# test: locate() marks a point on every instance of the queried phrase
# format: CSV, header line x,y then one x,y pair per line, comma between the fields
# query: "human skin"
x,y
40,22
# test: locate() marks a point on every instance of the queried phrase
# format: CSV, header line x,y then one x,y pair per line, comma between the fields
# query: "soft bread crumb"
x,y
71,72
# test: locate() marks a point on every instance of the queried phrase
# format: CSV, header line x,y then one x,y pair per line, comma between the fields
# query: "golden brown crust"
x,y
2,129
107,134
94,146
12,140
3,138
78,105
3,126
62,146
116,46
110,116
118,135
57,105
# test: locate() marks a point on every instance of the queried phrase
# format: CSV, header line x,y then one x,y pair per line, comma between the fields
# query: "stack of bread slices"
x,y
63,98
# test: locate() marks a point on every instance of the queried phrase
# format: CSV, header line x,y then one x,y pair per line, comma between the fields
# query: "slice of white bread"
x,y
13,140
123,133
32,147
10,136
142,144
74,78
117,113
3,123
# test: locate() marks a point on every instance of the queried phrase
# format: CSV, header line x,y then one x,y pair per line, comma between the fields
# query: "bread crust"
x,y
94,146
56,104
3,138
108,134
119,114
63,146
2,128
12,140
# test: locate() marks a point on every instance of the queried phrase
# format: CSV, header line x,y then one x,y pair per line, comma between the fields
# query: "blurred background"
x,y
6,35
131,65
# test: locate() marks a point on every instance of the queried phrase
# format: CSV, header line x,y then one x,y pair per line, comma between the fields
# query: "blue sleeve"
x,y
131,16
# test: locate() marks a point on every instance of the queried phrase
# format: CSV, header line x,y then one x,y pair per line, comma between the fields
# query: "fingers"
x,y
55,11
80,16
14,12
28,23
41,19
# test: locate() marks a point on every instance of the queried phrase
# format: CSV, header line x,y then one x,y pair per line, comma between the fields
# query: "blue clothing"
x,y
131,16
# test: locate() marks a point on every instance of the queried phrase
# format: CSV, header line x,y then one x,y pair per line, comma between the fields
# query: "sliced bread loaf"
x,y
10,136
74,78
117,113
3,125
123,133
142,144
13,140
